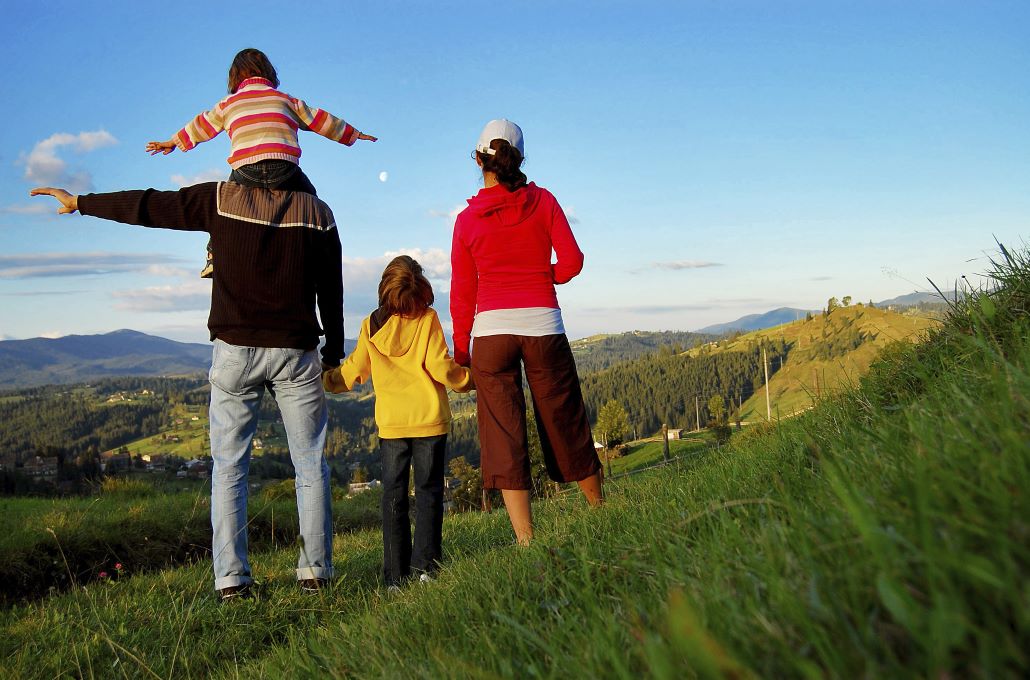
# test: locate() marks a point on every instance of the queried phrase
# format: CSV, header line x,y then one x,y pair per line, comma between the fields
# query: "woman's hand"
x,y
69,202
163,148
367,138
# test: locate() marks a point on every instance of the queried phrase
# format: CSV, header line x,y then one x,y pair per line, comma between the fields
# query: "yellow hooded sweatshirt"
x,y
409,362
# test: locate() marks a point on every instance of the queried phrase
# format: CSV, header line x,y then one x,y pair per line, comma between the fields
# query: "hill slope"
x,y
825,354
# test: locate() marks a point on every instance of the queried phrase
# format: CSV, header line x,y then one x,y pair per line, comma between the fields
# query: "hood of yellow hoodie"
x,y
395,339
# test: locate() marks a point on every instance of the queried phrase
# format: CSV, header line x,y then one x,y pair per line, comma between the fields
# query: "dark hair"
x,y
251,63
505,162
404,289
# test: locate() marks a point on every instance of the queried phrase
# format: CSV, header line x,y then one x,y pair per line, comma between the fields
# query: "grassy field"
x,y
883,534
646,453
49,545
187,436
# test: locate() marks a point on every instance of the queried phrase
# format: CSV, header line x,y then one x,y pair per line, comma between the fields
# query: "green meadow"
x,y
884,533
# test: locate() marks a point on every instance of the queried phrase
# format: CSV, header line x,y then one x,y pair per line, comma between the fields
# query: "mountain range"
x,y
82,358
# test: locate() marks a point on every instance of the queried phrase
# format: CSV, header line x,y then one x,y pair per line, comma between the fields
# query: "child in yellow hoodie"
x,y
402,348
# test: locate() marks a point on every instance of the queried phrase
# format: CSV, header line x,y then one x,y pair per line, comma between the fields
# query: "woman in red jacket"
x,y
502,294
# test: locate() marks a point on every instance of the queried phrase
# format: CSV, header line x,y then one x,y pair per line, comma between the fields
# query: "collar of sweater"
x,y
256,80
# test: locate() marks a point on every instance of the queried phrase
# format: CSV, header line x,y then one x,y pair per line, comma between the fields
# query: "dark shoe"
x,y
240,592
313,585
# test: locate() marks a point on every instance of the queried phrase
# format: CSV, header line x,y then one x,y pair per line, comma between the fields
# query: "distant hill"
x,y
917,297
754,322
598,352
824,354
82,358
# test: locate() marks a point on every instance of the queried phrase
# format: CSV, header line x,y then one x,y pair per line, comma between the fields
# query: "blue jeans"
x,y
399,556
239,376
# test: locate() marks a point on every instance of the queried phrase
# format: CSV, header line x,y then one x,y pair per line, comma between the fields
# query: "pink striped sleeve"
x,y
324,123
203,127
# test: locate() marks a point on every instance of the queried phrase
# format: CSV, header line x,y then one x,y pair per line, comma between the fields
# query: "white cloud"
x,y
43,166
211,175
364,271
447,214
5,336
48,265
52,335
40,208
686,264
187,296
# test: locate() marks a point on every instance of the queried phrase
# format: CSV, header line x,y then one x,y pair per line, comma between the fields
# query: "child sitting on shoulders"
x,y
262,123
401,347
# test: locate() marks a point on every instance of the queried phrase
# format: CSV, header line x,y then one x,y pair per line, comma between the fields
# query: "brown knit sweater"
x,y
278,255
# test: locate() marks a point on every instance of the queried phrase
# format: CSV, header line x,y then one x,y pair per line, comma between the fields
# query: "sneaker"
x,y
208,271
312,585
240,592
425,578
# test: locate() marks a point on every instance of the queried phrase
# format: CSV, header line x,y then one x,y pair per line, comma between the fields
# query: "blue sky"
x,y
717,158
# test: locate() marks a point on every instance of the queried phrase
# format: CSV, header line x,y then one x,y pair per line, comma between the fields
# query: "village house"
x,y
360,487
154,461
113,461
45,468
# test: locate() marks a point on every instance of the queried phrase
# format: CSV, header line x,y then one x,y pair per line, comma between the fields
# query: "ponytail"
x,y
505,163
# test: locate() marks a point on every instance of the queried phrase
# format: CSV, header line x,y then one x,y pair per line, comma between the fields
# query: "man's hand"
x,y
69,202
164,148
367,138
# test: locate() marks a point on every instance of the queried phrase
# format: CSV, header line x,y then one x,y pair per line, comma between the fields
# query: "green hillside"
x,y
882,534
826,353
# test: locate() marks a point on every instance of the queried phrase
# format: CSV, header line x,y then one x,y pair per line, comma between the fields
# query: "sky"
x,y
716,159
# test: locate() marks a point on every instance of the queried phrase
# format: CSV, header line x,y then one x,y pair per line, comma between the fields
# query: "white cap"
x,y
502,128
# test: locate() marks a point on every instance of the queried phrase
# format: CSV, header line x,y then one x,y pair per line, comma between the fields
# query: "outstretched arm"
x,y
69,202
326,124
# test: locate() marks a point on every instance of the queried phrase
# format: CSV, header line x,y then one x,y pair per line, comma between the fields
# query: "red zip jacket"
x,y
501,256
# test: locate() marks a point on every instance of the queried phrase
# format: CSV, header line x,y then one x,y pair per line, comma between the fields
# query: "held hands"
x,y
164,148
69,202
333,382
367,138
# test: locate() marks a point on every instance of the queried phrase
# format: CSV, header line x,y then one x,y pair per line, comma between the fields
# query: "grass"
x,y
883,534
644,454
49,545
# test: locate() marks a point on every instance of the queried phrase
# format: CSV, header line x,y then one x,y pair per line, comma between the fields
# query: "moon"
x,y
383,176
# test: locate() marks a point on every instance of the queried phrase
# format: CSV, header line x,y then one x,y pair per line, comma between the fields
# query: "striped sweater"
x,y
262,123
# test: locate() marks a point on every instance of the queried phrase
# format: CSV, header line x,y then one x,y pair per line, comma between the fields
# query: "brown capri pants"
x,y
561,417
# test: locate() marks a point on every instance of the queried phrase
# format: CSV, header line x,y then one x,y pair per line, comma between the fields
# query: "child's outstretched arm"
x,y
326,124
204,126
441,366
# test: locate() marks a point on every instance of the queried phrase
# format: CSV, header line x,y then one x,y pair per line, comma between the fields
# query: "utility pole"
x,y
768,408
697,415
665,442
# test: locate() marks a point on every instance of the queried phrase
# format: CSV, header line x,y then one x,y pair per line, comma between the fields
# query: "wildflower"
x,y
103,574
117,566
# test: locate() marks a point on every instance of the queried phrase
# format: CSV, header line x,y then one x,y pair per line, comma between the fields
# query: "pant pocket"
x,y
230,365
302,365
